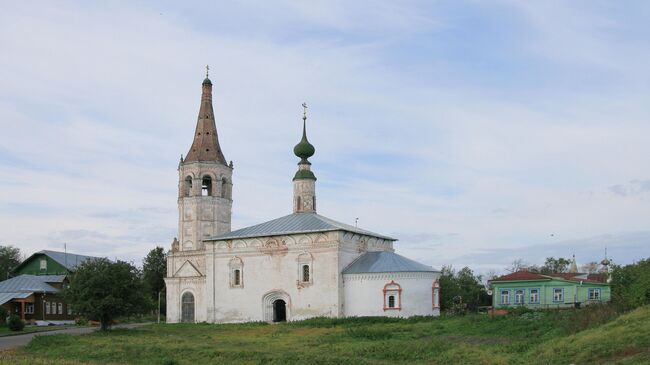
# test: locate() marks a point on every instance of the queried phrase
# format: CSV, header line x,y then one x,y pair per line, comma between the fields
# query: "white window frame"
x,y
520,294
507,296
47,307
29,308
43,264
561,297
531,292
597,294
60,307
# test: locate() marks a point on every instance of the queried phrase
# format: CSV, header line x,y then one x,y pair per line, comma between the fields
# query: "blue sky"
x,y
475,132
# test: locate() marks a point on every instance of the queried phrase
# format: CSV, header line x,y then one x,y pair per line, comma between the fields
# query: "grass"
x,y
593,336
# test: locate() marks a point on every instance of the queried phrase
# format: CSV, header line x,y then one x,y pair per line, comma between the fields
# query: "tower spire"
x,y
205,146
304,181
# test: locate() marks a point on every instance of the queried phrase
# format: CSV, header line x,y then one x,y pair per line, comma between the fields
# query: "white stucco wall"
x,y
364,294
272,265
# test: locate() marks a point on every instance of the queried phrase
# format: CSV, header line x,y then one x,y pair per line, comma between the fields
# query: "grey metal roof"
x,y
28,283
5,297
69,260
385,261
296,223
23,286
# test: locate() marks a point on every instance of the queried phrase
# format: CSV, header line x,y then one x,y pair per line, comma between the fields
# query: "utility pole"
x,y
158,306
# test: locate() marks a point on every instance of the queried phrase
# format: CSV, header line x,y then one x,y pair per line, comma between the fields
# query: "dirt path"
x,y
9,342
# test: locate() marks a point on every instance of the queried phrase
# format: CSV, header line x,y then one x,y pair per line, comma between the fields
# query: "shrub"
x,y
3,315
15,323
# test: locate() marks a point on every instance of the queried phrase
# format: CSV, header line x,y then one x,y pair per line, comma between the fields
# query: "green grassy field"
x,y
579,337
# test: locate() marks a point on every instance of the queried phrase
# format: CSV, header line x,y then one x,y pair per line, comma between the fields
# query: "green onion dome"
x,y
207,81
304,149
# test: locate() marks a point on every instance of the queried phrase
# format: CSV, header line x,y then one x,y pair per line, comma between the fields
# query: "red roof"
x,y
528,275
521,275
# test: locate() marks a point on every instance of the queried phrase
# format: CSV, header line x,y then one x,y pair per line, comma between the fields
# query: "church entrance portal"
x,y
279,311
187,308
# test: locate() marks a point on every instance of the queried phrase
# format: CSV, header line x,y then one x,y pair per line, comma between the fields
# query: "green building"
x,y
34,291
549,291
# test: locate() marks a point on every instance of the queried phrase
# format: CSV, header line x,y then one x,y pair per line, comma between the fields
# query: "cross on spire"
x,y
304,112
207,70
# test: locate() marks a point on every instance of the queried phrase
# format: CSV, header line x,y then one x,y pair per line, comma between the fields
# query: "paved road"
x,y
9,342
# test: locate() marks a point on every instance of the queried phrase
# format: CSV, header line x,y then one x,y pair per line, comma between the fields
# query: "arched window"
x,y
392,296
187,186
206,186
435,294
305,272
236,272
237,277
187,307
224,188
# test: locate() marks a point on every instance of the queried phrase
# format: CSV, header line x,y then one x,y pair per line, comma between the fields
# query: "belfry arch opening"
x,y
206,186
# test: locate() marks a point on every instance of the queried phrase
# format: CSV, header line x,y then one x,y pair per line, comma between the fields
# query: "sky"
x,y
475,132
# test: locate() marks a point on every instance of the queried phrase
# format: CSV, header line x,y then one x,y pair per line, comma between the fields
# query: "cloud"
x,y
633,188
460,129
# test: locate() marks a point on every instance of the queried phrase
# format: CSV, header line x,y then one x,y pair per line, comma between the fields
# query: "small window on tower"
x,y
224,188
206,186
187,186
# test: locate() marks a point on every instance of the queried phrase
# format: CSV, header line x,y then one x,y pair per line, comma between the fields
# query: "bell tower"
x,y
204,182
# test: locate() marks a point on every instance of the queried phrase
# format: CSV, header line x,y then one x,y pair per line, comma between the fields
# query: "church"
x,y
294,267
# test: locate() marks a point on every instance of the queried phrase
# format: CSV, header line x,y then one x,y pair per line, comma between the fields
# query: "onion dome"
x,y
304,149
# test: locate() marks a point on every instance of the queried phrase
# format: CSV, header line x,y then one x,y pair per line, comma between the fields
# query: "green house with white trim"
x,y
549,291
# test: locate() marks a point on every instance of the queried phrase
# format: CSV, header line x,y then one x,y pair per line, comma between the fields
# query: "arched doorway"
x,y
279,311
276,306
187,308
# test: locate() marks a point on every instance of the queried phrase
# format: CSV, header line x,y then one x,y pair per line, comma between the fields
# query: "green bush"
x,y
3,315
15,323
631,284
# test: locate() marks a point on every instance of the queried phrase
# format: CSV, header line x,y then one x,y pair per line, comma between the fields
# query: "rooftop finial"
x,y
304,111
207,70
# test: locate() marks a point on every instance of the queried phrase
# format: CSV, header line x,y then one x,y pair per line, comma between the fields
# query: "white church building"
x,y
294,267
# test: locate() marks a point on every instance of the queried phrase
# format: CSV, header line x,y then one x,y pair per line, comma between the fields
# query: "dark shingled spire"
x,y
206,141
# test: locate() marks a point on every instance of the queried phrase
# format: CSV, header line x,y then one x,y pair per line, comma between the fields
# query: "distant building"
x,y
294,267
34,292
549,291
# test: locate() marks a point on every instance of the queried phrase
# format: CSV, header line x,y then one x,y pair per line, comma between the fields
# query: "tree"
x,y
461,290
516,265
631,284
9,259
103,290
553,265
590,267
154,269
